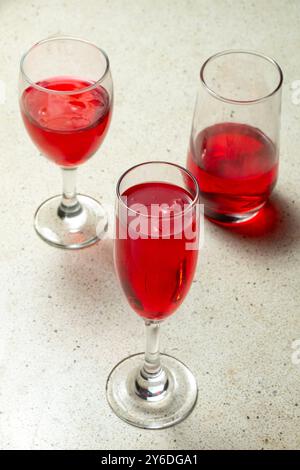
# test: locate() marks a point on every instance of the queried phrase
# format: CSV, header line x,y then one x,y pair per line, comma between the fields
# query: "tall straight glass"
x,y
234,144
156,249
66,97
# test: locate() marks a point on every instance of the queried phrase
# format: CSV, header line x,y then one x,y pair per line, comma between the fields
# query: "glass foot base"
x,y
229,219
83,228
175,404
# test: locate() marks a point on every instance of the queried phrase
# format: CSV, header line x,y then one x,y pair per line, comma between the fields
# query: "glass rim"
x,y
58,92
241,51
159,162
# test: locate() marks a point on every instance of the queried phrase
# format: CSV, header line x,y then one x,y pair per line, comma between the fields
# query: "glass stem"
x,y
152,381
152,357
69,206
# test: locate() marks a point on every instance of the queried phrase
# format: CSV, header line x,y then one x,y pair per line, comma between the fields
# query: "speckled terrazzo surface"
x,y
64,323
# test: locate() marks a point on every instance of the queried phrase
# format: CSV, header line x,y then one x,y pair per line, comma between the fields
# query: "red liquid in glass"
x,y
155,273
236,167
68,129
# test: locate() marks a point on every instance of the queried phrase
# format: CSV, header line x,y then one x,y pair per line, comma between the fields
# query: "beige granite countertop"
x,y
64,323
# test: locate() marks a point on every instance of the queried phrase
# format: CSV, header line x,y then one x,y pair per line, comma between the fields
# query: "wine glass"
x,y
234,144
155,250
66,98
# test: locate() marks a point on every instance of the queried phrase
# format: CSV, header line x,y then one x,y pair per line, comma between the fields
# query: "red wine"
x,y
236,167
67,128
155,273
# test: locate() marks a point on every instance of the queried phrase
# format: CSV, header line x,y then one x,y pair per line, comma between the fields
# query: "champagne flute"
x,y
156,249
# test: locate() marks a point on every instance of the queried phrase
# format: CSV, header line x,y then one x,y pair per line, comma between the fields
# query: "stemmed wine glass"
x,y
156,249
66,98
